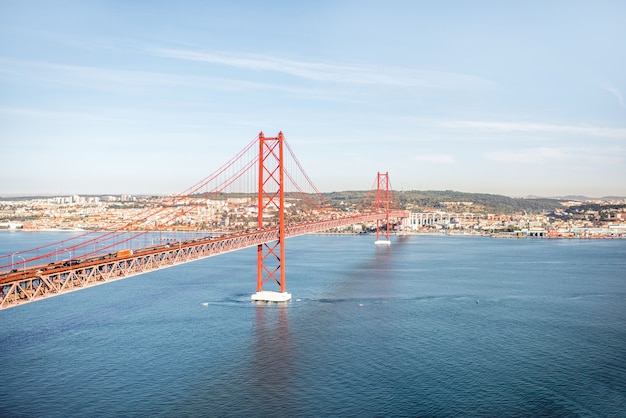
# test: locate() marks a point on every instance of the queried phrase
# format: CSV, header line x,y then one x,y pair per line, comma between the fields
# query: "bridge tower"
x,y
382,204
271,256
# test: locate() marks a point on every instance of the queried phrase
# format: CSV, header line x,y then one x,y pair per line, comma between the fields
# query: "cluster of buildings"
x,y
231,214
517,226
117,212
228,214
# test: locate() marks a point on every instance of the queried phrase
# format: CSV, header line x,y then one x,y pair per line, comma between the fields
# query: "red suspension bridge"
x,y
282,202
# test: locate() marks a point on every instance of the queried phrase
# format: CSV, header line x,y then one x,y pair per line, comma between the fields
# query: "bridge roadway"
x,y
35,283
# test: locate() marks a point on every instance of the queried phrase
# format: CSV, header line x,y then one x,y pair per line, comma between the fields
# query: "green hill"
x,y
452,201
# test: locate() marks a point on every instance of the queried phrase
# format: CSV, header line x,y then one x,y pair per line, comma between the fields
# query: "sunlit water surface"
x,y
431,326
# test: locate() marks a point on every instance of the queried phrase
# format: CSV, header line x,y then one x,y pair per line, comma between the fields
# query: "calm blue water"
x,y
379,332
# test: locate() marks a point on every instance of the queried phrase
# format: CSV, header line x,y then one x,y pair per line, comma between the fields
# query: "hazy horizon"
x,y
60,194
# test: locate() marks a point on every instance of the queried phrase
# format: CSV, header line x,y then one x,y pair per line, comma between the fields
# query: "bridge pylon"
x,y
271,197
382,204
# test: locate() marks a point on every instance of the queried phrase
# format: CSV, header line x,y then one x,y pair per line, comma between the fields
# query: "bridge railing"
x,y
36,283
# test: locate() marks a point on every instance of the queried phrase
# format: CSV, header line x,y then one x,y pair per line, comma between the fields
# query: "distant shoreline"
x,y
44,230
498,236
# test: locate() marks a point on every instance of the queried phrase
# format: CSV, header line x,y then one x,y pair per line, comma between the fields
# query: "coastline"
x,y
404,233
43,230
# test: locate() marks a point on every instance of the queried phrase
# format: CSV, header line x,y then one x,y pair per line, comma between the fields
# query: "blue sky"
x,y
505,97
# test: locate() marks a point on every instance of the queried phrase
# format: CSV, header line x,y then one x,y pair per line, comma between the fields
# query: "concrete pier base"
x,y
270,296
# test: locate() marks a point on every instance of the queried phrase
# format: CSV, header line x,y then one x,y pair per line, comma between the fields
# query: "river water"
x,y
429,326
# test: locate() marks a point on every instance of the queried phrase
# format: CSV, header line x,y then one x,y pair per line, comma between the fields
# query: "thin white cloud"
x,y
529,127
18,111
58,114
318,71
615,92
77,73
108,78
545,155
435,158
528,156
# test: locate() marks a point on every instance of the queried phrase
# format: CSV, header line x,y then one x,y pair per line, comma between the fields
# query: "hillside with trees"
x,y
451,201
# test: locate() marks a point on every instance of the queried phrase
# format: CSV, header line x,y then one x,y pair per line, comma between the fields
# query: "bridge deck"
x,y
36,283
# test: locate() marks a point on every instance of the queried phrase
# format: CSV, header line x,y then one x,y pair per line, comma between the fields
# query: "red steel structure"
x,y
271,256
382,203
92,262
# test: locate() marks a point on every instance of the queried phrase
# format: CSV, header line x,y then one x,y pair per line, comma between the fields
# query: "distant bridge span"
x,y
37,283
33,281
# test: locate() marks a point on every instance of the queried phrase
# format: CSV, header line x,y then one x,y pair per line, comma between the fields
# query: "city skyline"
x,y
150,97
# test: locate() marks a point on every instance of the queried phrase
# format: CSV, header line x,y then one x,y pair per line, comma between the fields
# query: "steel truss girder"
x,y
34,285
